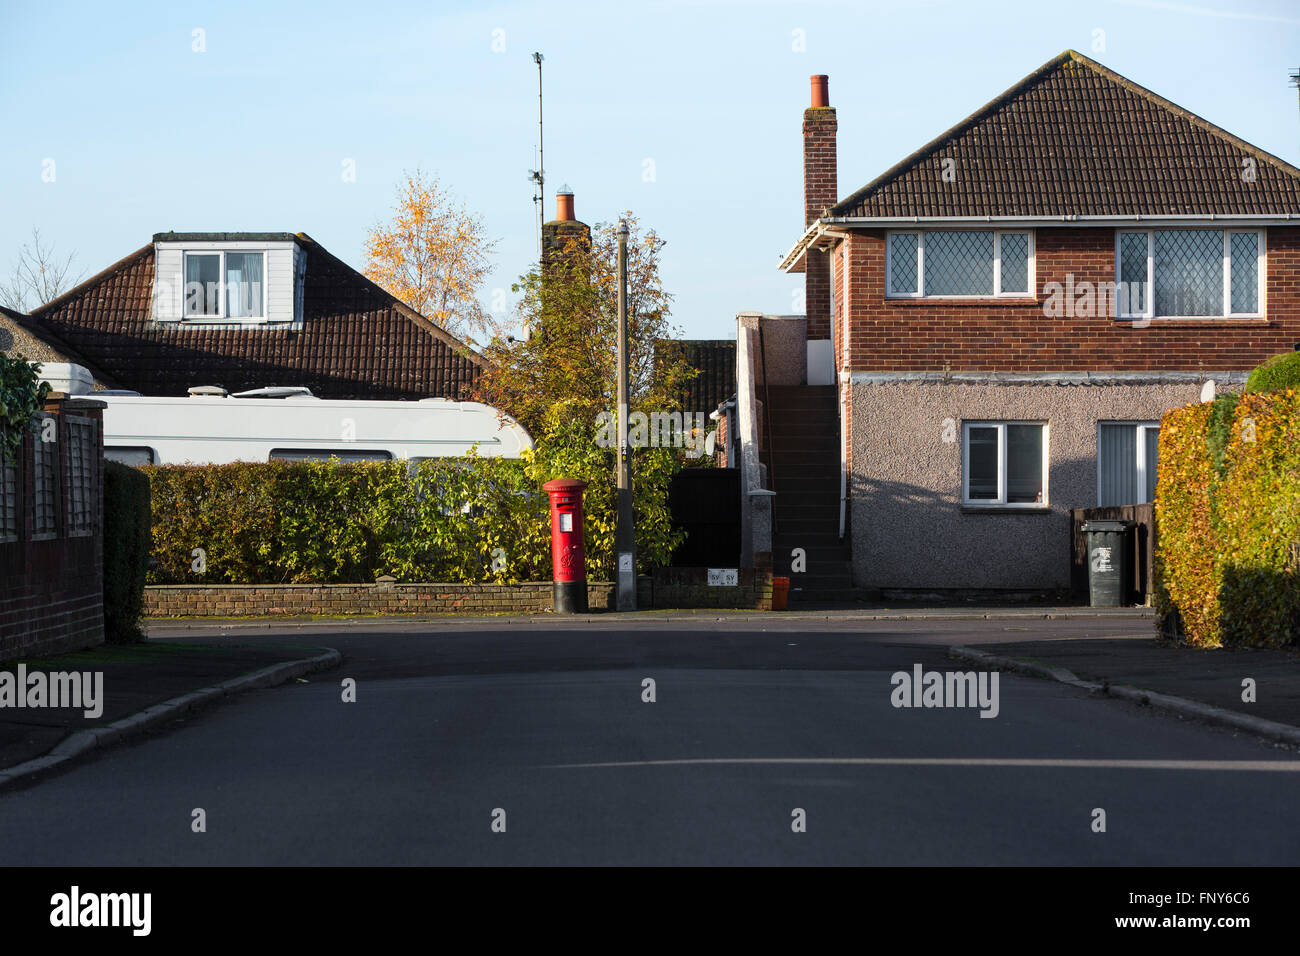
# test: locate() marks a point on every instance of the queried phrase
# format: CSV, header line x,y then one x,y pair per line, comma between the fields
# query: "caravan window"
x,y
325,454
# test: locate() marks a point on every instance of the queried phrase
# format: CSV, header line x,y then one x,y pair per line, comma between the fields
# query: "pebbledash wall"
x,y
910,528
667,588
51,535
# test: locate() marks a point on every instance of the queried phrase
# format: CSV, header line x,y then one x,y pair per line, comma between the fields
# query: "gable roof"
x,y
1076,139
357,341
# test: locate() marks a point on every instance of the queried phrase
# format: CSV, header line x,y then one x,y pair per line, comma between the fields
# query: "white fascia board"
x,y
239,245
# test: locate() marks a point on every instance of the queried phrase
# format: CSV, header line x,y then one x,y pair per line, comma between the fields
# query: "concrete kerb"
x,y
701,614
1267,729
78,744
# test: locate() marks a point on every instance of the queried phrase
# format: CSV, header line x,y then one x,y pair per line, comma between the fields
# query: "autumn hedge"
x,y
465,520
1228,521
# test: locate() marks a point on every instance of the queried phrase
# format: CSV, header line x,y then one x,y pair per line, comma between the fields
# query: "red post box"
x,y
568,553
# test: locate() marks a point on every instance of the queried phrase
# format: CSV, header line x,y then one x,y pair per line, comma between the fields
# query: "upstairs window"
x,y
225,285
1189,273
947,263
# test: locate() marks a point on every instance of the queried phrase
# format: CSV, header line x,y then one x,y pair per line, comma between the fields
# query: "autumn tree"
x,y
567,366
433,256
39,276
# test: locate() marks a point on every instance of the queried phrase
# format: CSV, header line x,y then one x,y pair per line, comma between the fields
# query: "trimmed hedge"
x,y
465,520
1228,561
1187,583
1281,371
126,551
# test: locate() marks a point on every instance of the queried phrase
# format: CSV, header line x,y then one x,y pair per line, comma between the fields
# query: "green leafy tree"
x,y
570,304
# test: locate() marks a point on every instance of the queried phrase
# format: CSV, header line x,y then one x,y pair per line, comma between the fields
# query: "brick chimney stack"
x,y
820,188
565,226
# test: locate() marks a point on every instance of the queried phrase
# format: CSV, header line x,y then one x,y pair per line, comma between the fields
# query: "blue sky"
x,y
251,134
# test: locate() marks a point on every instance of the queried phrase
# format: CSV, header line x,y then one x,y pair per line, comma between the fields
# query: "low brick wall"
x,y
689,587
668,588
243,600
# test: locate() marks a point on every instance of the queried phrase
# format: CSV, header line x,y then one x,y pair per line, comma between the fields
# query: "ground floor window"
x,y
1005,463
1126,462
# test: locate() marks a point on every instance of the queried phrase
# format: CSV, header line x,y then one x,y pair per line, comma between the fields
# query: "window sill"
x,y
983,301
1006,509
1196,322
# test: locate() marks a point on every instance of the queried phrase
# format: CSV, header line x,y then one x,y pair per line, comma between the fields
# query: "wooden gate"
x,y
706,502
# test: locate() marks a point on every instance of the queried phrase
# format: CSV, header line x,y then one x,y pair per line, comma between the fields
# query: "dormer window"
x,y
225,285
218,279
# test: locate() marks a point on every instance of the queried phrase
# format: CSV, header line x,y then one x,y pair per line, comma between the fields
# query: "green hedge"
x,y
1228,560
465,520
1281,371
126,551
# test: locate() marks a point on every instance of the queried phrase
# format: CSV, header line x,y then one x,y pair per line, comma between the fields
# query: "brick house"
x,y
270,309
1003,318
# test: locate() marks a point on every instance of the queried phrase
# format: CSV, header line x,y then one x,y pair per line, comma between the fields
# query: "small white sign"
x,y
723,577
625,564
566,521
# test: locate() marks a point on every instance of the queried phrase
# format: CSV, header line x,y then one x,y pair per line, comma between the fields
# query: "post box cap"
x,y
564,484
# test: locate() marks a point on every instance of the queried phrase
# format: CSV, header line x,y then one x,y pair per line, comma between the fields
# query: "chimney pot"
x,y
564,205
821,95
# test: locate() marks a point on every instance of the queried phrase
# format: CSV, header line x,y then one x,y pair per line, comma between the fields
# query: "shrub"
x,y
21,394
126,551
1258,523
1281,371
1187,575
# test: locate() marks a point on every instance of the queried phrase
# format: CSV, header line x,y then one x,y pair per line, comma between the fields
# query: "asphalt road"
x,y
546,722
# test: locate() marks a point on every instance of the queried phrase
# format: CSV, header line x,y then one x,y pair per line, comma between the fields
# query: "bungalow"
x,y
243,310
999,322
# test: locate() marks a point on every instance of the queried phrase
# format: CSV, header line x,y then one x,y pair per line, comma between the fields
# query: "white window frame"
x,y
1141,451
221,298
1001,502
1228,232
920,293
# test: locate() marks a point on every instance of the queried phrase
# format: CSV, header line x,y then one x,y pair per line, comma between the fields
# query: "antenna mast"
x,y
538,175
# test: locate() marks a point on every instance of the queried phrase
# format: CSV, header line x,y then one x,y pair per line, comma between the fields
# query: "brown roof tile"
x,y
1074,138
357,341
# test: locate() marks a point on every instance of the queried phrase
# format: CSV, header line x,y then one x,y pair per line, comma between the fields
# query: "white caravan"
x,y
211,427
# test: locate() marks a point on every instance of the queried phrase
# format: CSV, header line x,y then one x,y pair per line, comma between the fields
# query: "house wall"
x,y
52,586
1017,335
784,356
909,529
